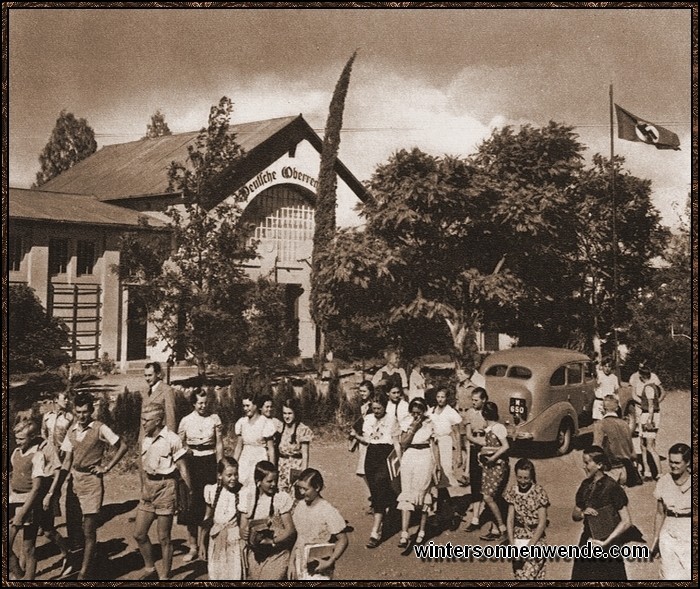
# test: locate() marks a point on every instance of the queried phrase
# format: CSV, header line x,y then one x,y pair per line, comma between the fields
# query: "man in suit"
x,y
158,392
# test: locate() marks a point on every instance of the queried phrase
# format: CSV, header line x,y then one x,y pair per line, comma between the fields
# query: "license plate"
x,y
518,407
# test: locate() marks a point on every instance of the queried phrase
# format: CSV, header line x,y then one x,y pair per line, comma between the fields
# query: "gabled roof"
x,y
61,207
139,169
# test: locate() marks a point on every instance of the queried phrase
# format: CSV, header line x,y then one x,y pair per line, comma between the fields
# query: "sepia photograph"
x,y
364,292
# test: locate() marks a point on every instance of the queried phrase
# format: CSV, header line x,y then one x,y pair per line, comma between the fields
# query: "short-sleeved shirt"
x,y
380,431
227,507
282,503
526,505
257,432
54,427
105,435
385,372
474,418
200,430
676,498
444,419
638,385
398,410
597,494
316,523
38,464
496,430
416,385
304,435
425,432
159,454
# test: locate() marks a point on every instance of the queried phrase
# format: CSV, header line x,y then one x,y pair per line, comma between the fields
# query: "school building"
x,y
64,238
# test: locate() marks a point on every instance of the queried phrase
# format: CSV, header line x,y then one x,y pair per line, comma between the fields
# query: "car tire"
x,y
565,436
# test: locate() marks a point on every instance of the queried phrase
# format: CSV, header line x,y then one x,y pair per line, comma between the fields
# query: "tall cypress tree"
x,y
326,196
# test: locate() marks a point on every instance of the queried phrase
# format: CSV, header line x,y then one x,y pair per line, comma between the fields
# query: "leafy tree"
x,y
158,127
197,293
640,239
663,304
494,241
269,331
71,141
417,250
326,197
35,340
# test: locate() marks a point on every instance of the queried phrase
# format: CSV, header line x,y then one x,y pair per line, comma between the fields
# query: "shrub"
x,y
35,340
126,415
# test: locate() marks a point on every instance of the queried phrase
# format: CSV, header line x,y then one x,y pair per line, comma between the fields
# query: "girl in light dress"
x,y
222,499
267,560
316,522
420,465
255,442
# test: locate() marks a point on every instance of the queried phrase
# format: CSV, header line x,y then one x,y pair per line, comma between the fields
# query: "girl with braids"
x,y
267,554
224,558
294,444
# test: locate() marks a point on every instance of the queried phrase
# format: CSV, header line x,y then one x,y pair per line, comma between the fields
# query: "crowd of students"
x,y
433,440
254,515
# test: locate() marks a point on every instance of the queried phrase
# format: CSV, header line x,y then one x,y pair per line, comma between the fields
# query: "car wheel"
x,y
564,437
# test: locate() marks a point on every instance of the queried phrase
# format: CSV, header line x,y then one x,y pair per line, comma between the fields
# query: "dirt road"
x,y
119,558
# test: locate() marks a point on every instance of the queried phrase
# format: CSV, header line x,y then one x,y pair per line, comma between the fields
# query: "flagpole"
x,y
614,227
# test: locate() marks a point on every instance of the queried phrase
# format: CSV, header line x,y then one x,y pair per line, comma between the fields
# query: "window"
x,y
58,256
575,374
559,377
497,370
285,223
519,372
16,245
86,257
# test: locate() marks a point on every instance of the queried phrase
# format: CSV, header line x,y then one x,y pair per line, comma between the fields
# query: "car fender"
x,y
545,426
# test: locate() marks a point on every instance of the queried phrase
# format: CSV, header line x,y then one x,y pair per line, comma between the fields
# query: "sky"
x,y
437,79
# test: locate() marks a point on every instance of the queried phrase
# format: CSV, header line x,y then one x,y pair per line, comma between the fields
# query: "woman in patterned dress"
x,y
527,519
494,461
294,444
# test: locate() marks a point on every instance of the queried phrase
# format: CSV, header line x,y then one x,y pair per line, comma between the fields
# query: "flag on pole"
x,y
632,128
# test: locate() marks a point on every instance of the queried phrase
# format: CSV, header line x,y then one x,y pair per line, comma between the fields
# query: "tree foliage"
x,y
197,293
325,225
505,240
661,315
158,127
71,141
35,340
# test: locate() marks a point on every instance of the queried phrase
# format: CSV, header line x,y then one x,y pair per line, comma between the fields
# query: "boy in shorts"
x,y
85,445
161,454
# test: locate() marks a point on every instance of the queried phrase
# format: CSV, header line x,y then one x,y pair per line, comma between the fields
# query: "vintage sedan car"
x,y
544,394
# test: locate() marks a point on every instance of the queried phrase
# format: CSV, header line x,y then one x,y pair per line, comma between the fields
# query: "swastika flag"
x,y
632,128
